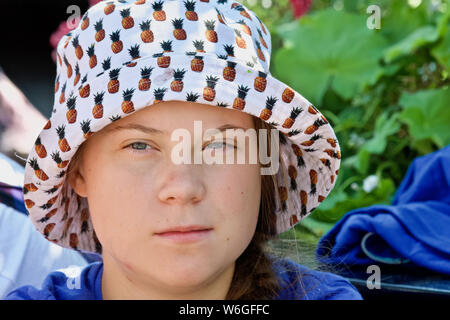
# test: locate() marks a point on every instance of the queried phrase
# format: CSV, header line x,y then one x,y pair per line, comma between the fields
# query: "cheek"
x,y
238,194
114,195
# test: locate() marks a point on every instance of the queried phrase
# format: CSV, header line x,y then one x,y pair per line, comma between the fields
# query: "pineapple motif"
x,y
304,201
192,96
127,104
29,203
138,2
100,32
190,11
48,228
37,171
259,51
211,34
177,84
40,148
199,45
239,40
69,37
73,241
85,217
106,64
159,94
71,114
229,72
48,215
145,82
288,95
262,26
313,180
48,125
208,92
59,58
127,20
68,66
315,126
92,57
146,33
78,49
77,75
312,110
84,89
266,113
59,162
292,175
239,101
311,141
109,8
56,84
134,53
159,14
85,127
290,121
179,33
220,17
97,111
229,49
243,12
85,22
117,44
260,81
113,83
245,28
62,97
332,142
164,61
197,63
261,39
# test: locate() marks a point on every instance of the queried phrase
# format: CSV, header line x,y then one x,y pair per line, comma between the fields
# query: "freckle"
x,y
228,239
242,192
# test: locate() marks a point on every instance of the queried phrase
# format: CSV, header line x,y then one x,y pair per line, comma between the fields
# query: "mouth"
x,y
189,235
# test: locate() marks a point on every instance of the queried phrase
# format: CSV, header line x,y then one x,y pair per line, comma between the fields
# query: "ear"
x,y
77,182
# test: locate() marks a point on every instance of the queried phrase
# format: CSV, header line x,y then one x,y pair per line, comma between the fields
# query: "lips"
x,y
183,229
186,234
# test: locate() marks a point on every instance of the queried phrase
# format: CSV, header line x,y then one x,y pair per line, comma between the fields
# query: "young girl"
x,y
140,83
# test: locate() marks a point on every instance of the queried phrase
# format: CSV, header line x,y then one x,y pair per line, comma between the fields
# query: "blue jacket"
x,y
85,284
413,231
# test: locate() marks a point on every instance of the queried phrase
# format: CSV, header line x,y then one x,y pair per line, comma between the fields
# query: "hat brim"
x,y
311,151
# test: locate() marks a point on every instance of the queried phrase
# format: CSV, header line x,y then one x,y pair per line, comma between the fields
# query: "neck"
x,y
119,284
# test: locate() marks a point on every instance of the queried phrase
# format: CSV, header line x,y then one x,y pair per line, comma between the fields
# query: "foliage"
x,y
385,91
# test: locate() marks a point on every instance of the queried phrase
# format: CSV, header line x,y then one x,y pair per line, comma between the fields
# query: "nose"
x,y
182,185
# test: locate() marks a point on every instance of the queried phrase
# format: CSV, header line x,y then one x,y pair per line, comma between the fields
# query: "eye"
x,y
138,147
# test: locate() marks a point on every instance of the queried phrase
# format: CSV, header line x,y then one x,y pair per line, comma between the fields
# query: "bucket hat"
x,y
126,55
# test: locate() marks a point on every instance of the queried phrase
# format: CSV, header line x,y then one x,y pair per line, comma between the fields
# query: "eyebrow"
x,y
150,130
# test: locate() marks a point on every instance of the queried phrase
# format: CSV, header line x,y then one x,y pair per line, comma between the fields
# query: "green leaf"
x,y
329,49
442,51
418,38
427,114
384,127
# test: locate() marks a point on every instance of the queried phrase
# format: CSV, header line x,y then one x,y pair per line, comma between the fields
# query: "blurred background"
x,y
382,82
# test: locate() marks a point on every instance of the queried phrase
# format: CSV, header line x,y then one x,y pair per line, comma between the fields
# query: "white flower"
x,y
370,183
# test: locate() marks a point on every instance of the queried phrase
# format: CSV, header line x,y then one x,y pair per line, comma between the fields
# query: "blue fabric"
x,y
85,284
412,231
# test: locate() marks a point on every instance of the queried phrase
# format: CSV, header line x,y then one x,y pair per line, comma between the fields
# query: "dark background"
x,y
25,54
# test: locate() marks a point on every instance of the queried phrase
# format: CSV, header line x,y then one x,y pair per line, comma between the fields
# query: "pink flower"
x,y
300,7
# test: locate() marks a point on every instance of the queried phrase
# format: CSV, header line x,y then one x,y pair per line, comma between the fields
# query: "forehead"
x,y
164,117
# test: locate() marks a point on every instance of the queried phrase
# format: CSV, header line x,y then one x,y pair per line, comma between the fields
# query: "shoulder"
x,y
299,282
71,283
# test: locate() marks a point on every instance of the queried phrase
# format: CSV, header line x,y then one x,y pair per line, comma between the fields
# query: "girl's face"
x,y
135,190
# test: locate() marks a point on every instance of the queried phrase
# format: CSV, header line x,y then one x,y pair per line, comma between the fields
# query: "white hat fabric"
x,y
126,55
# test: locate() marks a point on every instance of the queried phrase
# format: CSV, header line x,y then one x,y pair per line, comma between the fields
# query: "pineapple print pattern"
x,y
132,53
